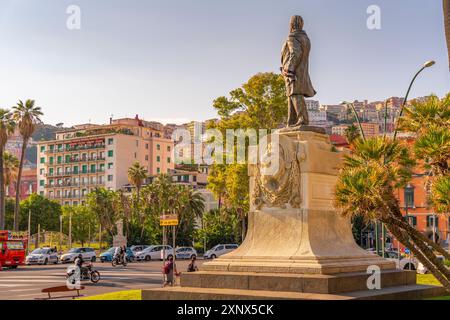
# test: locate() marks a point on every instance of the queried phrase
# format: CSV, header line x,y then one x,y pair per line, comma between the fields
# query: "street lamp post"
x,y
427,64
352,106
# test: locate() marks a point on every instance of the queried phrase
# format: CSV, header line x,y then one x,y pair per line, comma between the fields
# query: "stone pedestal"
x,y
119,240
301,236
297,246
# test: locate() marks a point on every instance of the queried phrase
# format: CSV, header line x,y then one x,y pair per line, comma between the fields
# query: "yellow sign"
x,y
168,220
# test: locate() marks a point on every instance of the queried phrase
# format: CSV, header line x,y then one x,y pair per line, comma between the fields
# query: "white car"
x,y
185,253
219,250
42,256
403,263
88,254
154,253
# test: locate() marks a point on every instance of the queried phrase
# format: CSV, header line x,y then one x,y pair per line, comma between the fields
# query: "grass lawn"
x,y
429,279
120,295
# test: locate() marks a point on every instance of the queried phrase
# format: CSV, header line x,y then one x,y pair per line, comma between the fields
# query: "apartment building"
x,y
90,156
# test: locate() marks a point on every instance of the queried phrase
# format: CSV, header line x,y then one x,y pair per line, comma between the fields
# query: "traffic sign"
x,y
168,220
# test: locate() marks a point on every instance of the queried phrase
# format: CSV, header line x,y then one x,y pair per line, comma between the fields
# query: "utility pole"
x,y
70,230
29,230
60,232
100,236
38,236
173,268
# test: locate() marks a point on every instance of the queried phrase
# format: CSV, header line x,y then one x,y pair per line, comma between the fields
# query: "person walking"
x,y
170,272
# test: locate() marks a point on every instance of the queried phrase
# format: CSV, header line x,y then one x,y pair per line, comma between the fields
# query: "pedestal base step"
x,y
412,292
305,283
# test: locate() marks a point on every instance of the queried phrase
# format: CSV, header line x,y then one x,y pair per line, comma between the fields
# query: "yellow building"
x,y
90,156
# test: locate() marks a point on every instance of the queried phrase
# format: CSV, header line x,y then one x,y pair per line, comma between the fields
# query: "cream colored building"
x,y
90,156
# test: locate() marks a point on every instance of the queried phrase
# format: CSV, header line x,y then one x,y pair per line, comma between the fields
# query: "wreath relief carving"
x,y
284,186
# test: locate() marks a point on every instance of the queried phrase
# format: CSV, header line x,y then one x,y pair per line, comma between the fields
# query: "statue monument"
x,y
119,239
297,246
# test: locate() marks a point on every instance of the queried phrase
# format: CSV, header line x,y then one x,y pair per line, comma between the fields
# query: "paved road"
x,y
26,282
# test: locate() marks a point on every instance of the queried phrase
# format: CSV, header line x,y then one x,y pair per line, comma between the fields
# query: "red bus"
x,y
13,247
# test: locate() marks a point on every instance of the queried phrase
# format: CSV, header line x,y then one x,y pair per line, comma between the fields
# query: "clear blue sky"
x,y
168,60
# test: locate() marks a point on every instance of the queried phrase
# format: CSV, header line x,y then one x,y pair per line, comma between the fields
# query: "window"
x,y
75,170
41,172
158,158
110,165
42,148
92,168
158,170
84,168
137,143
41,193
135,155
110,141
59,159
431,223
412,220
51,160
146,146
168,159
110,153
409,196
102,167
146,157
168,148
110,177
41,183
42,160
158,147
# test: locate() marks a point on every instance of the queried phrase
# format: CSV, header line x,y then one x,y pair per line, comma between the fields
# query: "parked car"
x,y
402,263
88,254
107,256
423,270
219,250
138,248
185,253
154,253
42,256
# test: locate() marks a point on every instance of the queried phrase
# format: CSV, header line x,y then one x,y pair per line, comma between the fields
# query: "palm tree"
x,y
6,128
446,4
27,117
366,188
136,176
11,167
352,133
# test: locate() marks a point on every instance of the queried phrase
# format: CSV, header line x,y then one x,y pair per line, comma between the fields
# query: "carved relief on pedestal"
x,y
283,186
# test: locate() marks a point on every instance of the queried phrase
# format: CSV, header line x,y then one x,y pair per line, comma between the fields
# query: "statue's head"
x,y
296,23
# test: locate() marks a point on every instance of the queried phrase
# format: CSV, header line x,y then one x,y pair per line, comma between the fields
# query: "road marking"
x,y
32,280
13,285
30,295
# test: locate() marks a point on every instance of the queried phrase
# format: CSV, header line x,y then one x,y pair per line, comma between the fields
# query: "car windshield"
x,y
111,249
39,251
74,250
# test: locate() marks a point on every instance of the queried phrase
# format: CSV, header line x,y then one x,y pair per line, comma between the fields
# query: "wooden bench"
x,y
62,289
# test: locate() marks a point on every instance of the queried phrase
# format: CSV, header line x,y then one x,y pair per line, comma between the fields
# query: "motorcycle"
x,y
87,273
118,261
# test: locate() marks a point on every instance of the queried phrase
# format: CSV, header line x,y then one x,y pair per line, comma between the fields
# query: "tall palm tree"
x,y
11,167
27,117
446,4
136,176
366,188
6,128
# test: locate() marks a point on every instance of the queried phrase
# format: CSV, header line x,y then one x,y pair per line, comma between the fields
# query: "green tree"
x,y
136,176
43,211
219,227
27,117
84,222
103,203
6,128
259,104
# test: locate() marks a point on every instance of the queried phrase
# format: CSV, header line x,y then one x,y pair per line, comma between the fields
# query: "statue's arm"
x,y
295,53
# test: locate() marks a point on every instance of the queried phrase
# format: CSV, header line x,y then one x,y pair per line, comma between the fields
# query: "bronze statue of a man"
x,y
294,61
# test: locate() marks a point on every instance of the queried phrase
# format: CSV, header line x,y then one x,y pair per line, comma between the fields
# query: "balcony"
x,y
74,184
73,173
77,148
75,160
